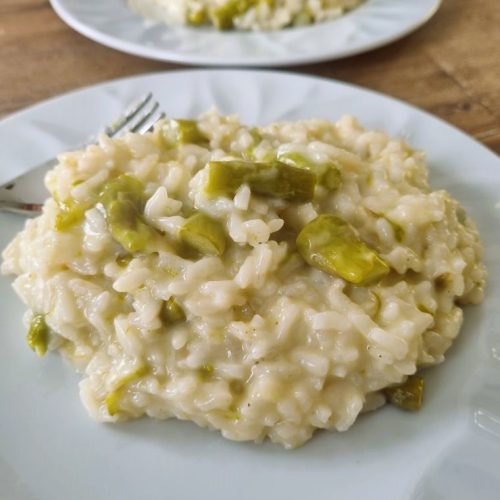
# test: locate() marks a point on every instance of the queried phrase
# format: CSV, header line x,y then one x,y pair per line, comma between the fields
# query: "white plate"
x,y
51,450
375,23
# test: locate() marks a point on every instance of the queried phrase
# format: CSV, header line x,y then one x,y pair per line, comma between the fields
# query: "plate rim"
x,y
158,54
268,71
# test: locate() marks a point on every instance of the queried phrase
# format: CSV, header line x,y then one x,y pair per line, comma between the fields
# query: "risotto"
x,y
242,14
265,282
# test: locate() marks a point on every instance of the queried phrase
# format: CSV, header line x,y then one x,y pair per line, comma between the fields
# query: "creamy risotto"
x,y
242,14
265,282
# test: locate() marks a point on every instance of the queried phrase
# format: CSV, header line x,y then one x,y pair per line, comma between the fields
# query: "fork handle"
x,y
22,195
20,208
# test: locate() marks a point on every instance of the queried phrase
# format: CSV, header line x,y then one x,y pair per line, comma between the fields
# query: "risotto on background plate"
x,y
243,14
262,281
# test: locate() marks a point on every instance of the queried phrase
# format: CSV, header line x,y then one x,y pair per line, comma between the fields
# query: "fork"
x,y
18,195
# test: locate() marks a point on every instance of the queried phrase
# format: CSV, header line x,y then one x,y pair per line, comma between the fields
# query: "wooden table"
x,y
450,67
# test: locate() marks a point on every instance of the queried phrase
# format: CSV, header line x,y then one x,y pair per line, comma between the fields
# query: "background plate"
x,y
375,23
51,450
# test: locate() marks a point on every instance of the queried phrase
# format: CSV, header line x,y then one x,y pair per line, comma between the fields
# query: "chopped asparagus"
x,y
113,399
407,396
38,334
461,215
172,312
196,16
272,178
126,226
182,132
204,234
70,214
124,188
123,202
123,260
330,244
328,173
206,372
112,402
223,15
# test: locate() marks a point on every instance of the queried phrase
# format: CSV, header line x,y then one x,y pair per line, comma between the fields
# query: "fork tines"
x,y
139,117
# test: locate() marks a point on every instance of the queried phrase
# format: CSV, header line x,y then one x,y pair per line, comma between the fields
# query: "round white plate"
x,y
51,450
373,24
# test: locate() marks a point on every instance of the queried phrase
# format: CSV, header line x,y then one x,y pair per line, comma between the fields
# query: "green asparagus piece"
x,y
172,312
407,396
70,214
124,188
461,215
123,202
272,178
204,234
206,372
223,15
123,260
328,173
196,16
126,226
38,334
182,132
112,400
330,244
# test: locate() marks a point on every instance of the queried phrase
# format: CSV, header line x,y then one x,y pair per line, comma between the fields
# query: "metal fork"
x,y
20,194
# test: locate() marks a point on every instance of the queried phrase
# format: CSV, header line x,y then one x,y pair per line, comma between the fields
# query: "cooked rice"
x,y
271,347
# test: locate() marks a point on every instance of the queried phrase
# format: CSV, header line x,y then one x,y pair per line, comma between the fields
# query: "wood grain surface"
x,y
450,67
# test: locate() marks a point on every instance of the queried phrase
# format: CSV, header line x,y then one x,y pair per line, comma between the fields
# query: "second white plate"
x,y
373,24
